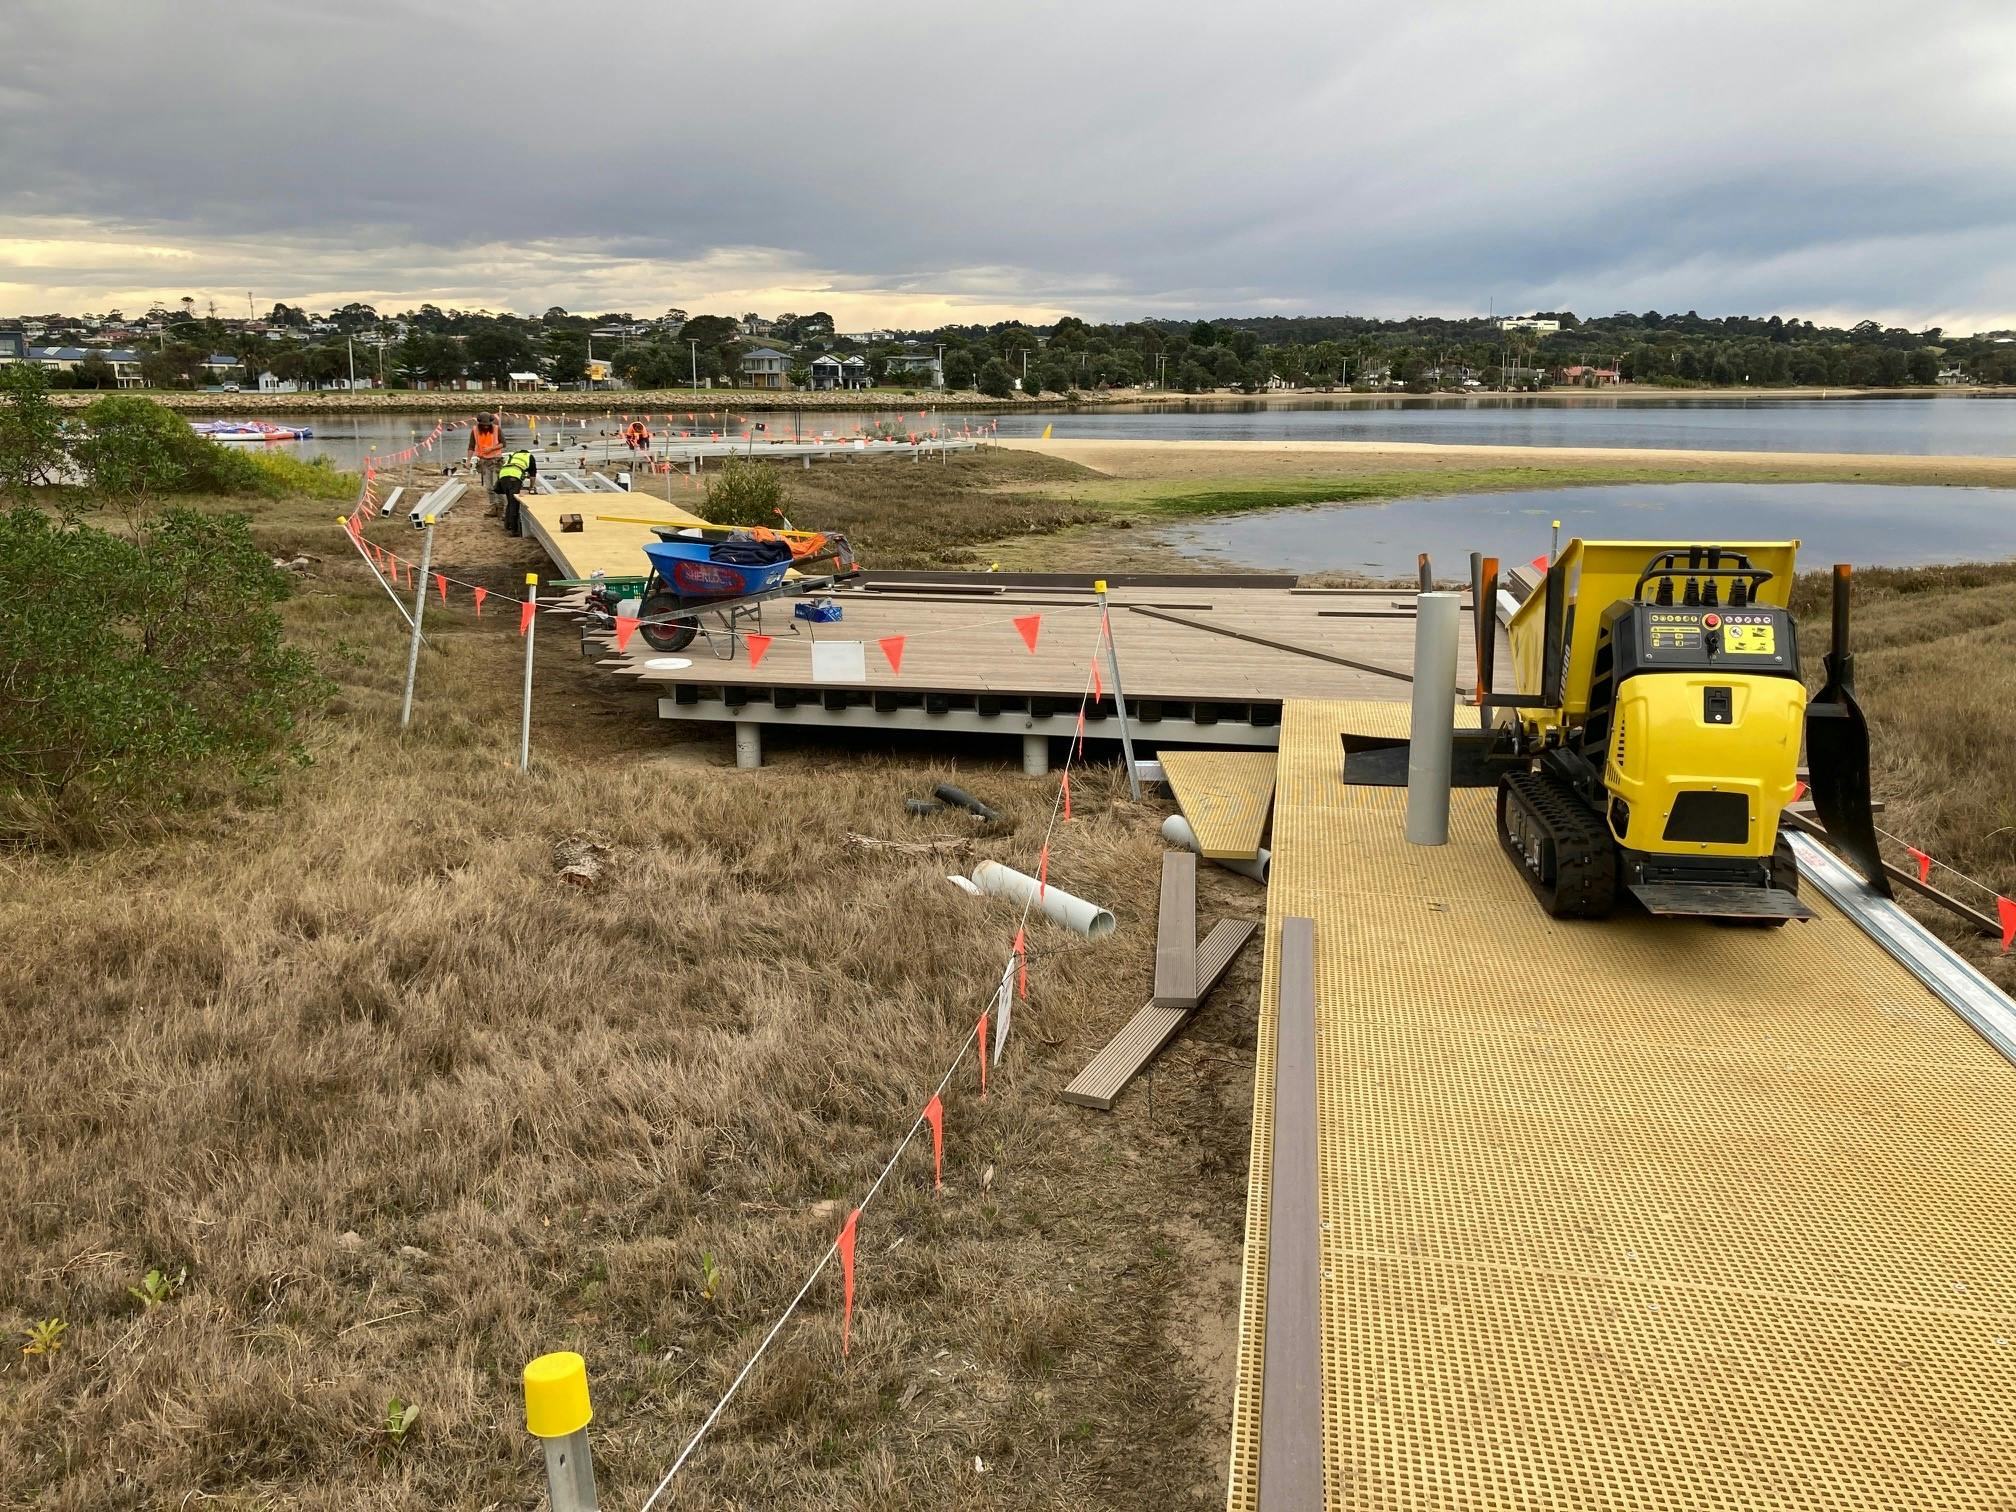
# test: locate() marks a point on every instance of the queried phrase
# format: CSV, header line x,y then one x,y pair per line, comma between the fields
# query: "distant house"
x,y
1952,377
13,346
65,359
911,365
1590,376
755,325
766,368
522,383
830,372
1529,323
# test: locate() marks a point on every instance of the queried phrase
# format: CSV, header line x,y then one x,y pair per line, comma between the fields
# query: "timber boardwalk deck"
x,y
1628,1214
1217,677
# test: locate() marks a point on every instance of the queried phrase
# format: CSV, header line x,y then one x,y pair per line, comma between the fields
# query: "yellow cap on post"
x,y
532,579
556,1395
1099,585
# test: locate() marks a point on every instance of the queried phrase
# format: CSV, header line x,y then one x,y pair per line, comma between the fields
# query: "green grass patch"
x,y
1235,495
285,476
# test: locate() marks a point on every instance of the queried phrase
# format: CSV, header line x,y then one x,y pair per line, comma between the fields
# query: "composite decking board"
x,y
1068,581
1226,796
967,644
1291,1390
1289,647
1176,933
1107,1074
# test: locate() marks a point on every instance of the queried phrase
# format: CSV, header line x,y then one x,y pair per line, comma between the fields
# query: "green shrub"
x,y
315,479
144,671
133,450
745,492
995,379
31,430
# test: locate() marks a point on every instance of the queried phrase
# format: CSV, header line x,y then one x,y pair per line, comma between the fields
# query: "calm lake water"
x,y
1951,425
1869,525
346,440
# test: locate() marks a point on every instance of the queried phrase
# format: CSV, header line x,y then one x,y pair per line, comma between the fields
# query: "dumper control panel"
x,y
1757,638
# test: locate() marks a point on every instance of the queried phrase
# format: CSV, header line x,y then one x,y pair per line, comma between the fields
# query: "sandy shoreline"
x,y
1182,461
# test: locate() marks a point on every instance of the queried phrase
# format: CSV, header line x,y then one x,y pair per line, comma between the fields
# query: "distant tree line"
x,y
433,346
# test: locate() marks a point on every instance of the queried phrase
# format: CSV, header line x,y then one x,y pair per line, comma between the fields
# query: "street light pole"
x,y
694,344
350,344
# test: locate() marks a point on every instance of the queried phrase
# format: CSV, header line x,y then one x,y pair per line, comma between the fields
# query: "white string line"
x,y
1942,865
832,1248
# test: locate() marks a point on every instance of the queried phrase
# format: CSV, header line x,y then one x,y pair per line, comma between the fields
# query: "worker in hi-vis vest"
x,y
514,474
486,447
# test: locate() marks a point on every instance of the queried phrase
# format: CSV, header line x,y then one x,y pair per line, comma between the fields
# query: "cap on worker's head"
x,y
556,1395
486,418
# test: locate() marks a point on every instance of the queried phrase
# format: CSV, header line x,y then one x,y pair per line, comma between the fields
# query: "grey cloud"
x,y
1112,158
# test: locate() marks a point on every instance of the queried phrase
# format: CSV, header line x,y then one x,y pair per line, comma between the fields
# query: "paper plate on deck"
x,y
667,663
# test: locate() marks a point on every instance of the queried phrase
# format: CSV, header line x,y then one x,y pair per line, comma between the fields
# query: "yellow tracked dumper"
x,y
1653,739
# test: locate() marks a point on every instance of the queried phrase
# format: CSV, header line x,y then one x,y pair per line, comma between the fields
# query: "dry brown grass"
x,y
1935,670
411,1111
931,514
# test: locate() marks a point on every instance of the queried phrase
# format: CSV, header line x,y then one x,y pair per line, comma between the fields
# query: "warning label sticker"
x,y
1750,640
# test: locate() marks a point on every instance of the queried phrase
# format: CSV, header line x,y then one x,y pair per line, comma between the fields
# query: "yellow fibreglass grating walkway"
x,y
1632,1213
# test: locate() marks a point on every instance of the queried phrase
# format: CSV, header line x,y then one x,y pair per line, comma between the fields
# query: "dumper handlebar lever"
x,y
1667,564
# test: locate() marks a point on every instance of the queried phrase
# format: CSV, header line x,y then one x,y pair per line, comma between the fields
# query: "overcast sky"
x,y
900,164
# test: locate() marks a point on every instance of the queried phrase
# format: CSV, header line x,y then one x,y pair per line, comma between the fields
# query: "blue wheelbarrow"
x,y
687,580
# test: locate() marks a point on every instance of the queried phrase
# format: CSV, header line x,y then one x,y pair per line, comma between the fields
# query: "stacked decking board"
x,y
1107,1074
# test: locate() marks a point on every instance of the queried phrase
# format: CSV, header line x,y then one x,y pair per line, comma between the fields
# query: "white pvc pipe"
x,y
1176,830
1056,905
1430,740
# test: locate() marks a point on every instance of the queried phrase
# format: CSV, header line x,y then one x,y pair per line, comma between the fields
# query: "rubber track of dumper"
x,y
1585,857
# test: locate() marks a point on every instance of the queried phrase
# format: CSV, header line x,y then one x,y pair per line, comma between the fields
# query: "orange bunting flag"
x,y
1924,864
626,626
934,1114
1067,797
892,647
758,645
1030,626
1021,967
2004,910
1042,871
1539,563
983,1046
525,612
1078,740
441,585
845,1244
481,594
1798,790
1098,687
